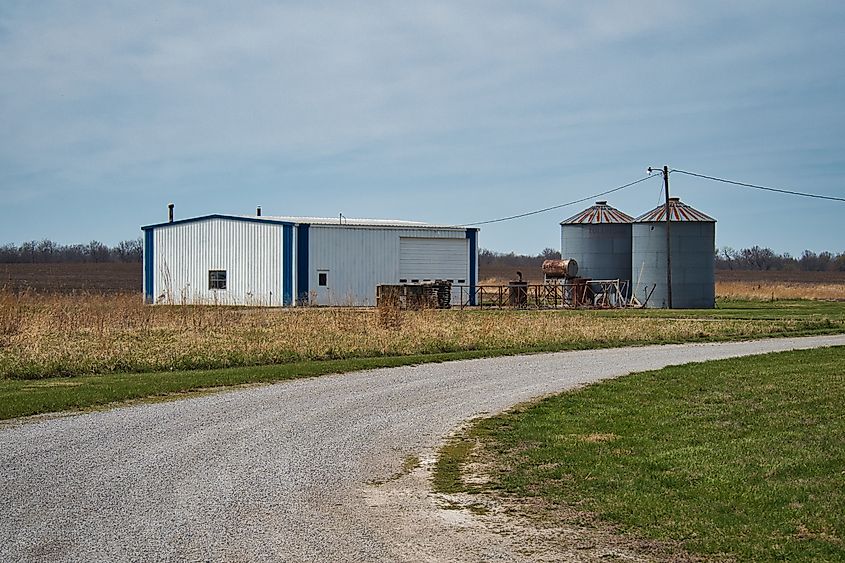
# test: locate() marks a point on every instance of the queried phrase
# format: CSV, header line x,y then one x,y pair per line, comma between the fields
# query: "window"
x,y
403,280
462,281
217,279
322,279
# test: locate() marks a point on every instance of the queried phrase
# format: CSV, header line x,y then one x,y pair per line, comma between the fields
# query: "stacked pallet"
x,y
428,295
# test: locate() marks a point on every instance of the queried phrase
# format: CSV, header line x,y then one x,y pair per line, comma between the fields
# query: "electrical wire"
x,y
583,199
660,194
746,185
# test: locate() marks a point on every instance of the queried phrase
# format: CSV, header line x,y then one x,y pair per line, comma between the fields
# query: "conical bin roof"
x,y
678,212
599,214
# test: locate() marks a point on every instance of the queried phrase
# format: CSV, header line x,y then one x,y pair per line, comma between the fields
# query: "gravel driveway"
x,y
273,472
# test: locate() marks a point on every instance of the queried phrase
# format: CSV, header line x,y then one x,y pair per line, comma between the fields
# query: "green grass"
x,y
750,310
28,397
23,397
744,457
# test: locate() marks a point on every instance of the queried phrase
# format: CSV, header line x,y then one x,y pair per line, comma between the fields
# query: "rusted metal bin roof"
x,y
600,213
678,212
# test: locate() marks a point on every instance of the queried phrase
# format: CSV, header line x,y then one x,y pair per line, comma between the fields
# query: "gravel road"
x,y
276,472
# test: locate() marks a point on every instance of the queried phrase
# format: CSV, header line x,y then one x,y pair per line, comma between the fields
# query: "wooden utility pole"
x,y
668,248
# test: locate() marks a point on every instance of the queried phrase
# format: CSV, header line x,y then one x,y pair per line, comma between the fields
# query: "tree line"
x,y
47,251
758,258
726,258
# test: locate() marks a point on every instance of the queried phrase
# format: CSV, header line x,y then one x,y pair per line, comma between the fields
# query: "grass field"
x,y
739,458
58,335
769,286
105,277
67,352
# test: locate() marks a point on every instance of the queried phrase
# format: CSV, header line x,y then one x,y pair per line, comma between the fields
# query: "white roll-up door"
x,y
429,259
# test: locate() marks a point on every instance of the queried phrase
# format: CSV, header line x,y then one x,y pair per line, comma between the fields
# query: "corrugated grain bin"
x,y
599,240
692,245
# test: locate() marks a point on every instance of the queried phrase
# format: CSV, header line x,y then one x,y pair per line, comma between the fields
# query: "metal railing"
x,y
557,294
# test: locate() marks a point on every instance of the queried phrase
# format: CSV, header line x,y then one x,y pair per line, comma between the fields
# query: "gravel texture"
x,y
282,472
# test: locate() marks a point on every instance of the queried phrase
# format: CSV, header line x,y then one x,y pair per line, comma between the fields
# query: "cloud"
x,y
483,95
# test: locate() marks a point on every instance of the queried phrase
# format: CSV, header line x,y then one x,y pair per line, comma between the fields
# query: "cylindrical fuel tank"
x,y
560,268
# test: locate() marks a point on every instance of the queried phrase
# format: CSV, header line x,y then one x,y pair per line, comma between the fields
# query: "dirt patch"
x,y
425,526
100,277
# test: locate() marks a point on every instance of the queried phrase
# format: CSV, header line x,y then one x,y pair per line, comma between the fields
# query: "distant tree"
x,y
74,253
759,258
550,254
47,251
725,258
8,253
27,251
129,250
97,252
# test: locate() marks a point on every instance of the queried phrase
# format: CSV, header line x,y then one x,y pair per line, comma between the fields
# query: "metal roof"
x,y
600,213
678,212
348,221
334,221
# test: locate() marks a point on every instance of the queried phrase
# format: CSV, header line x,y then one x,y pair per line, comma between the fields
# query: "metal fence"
x,y
560,294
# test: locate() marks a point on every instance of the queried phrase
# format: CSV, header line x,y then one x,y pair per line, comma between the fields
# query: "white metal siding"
x,y
357,259
251,254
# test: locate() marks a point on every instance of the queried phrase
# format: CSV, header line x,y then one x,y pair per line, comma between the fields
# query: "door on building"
x,y
323,288
430,259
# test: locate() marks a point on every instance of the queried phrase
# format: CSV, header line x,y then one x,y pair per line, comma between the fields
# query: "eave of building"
x,y
316,221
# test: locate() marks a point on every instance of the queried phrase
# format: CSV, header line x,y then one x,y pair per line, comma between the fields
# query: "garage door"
x,y
429,259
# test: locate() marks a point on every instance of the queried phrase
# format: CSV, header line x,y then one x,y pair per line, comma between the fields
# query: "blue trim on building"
x,y
472,235
148,266
218,216
287,265
302,288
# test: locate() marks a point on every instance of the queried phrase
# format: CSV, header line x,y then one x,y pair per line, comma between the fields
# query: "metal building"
x,y
599,239
283,261
692,246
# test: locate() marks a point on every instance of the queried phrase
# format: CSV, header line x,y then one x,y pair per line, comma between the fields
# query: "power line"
x,y
616,189
746,185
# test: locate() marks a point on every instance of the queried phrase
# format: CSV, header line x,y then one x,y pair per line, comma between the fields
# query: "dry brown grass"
x,y
766,286
49,335
772,290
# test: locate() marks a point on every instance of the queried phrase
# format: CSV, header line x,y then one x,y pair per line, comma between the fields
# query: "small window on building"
x,y
322,279
462,281
403,280
415,281
217,279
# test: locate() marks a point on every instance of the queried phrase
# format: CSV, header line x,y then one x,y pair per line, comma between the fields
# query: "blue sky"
x,y
447,112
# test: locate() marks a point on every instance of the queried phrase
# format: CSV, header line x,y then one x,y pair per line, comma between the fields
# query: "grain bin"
x,y
599,239
692,245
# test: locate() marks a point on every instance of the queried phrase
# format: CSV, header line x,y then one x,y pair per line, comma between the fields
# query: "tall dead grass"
x,y
52,335
773,290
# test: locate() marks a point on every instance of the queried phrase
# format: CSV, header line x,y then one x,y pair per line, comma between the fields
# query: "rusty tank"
x,y
567,268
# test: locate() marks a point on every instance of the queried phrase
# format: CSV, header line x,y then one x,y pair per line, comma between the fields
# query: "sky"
x,y
445,112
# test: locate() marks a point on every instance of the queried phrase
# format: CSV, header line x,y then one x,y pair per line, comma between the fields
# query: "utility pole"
x,y
668,239
668,249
